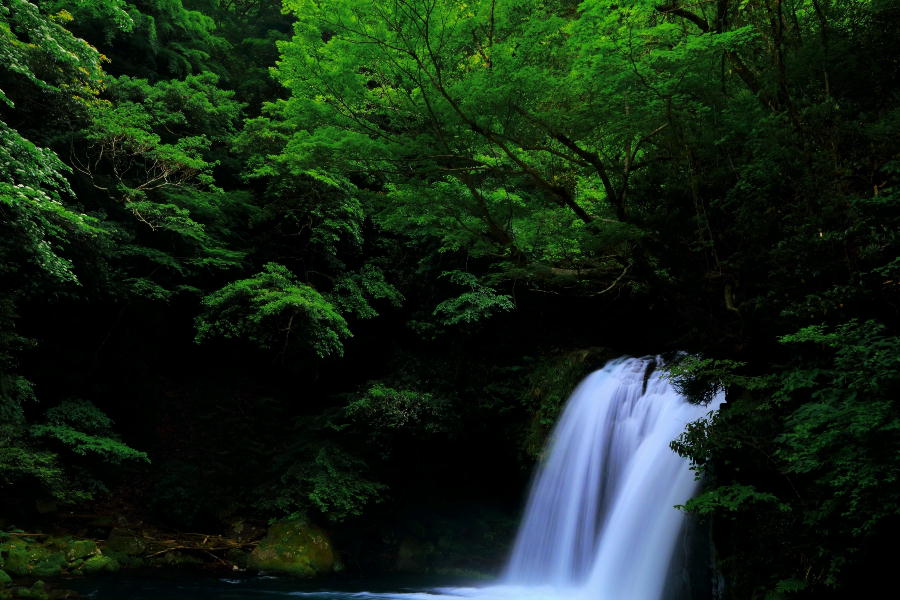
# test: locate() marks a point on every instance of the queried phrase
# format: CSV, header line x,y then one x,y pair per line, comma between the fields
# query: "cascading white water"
x,y
600,517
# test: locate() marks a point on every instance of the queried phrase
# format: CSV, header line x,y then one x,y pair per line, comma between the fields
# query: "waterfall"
x,y
600,518
601,522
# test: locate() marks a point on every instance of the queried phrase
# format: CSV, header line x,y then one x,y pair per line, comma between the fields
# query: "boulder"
x,y
294,547
99,564
50,565
21,556
36,591
76,549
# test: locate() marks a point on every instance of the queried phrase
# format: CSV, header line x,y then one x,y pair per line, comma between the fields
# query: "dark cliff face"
x,y
693,574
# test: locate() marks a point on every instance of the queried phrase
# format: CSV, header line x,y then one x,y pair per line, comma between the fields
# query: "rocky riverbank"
x,y
31,564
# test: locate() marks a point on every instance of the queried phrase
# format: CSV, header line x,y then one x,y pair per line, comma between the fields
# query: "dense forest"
x,y
343,260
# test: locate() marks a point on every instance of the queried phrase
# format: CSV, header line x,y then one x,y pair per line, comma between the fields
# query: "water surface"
x,y
190,586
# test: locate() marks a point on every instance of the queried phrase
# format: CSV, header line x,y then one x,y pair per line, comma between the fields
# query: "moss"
x,y
100,564
78,549
296,548
49,566
36,591
4,577
21,556
126,561
550,384
50,558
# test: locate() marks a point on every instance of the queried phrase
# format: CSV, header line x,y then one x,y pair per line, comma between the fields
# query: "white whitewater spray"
x,y
600,518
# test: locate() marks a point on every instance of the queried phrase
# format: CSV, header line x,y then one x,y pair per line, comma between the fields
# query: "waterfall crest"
x,y
600,516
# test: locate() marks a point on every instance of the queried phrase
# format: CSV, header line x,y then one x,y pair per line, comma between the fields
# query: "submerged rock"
x,y
296,548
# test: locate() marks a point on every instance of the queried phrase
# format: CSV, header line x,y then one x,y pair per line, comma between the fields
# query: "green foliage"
x,y
21,463
155,38
38,225
354,292
328,480
150,150
700,379
474,305
83,429
157,136
844,437
386,409
41,228
337,486
37,455
38,48
195,105
827,430
274,311
730,499
507,167
34,192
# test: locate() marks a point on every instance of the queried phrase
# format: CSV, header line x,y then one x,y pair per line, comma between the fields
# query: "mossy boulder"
x,y
296,548
37,591
54,556
99,564
49,566
78,549
21,556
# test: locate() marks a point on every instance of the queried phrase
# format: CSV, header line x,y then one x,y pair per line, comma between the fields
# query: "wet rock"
x,y
296,548
21,556
126,561
50,565
36,591
78,549
99,564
